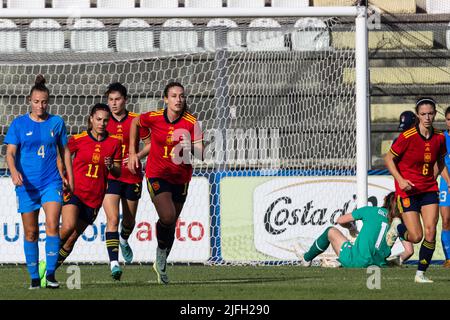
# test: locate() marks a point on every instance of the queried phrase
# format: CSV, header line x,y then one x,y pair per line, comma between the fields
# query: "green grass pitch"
x,y
200,282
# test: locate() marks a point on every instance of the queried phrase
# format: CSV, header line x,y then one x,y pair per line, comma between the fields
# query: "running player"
x,y
96,154
126,188
175,133
411,162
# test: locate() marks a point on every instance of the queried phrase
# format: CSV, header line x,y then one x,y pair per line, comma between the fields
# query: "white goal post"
x,y
276,86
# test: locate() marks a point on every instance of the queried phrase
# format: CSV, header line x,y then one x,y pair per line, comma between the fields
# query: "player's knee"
x,y
168,220
31,235
430,234
330,231
445,224
415,237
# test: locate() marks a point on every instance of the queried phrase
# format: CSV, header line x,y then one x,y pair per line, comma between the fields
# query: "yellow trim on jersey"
x,y
133,114
437,131
156,113
393,152
150,189
187,114
80,135
409,134
189,120
409,130
399,205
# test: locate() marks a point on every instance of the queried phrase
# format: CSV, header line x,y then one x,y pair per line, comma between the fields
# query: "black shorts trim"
x,y
417,201
129,191
156,186
85,213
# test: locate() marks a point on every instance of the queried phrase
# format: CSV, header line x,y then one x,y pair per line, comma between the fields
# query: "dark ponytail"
x,y
39,85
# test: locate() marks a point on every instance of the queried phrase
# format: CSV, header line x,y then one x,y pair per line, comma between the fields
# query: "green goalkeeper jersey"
x,y
370,247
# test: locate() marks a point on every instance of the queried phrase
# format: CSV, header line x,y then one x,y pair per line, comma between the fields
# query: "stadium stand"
x,y
290,3
434,6
25,4
387,40
333,3
223,38
203,3
306,39
115,4
43,40
179,40
245,3
9,37
61,4
89,40
134,40
265,40
159,3
394,7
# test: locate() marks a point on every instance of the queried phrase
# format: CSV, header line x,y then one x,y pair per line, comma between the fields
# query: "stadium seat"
x,y
265,40
89,40
178,40
434,6
386,39
233,41
115,4
394,7
62,4
333,3
134,40
159,3
404,75
25,4
42,40
311,35
203,3
290,3
245,3
9,39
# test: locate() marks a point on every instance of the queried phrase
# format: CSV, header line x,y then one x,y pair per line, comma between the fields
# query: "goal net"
x,y
276,101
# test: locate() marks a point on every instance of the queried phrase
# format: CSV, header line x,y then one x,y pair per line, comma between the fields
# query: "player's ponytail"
x,y
390,203
39,85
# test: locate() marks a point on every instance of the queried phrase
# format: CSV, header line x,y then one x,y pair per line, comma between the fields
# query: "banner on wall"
x,y
192,236
263,218
291,213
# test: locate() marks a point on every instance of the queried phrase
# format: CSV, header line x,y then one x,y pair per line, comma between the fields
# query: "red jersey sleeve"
x,y
400,146
145,120
443,149
144,133
72,144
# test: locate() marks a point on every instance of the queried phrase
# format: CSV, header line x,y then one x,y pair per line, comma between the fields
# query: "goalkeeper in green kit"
x,y
370,247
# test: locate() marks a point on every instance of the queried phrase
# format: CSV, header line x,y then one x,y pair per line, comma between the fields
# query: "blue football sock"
x,y
32,258
51,252
445,238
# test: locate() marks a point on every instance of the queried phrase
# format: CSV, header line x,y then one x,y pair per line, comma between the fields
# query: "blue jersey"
x,y
444,198
36,153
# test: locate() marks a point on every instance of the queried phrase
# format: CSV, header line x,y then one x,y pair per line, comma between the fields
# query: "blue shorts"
x,y
85,213
156,186
444,197
417,201
32,200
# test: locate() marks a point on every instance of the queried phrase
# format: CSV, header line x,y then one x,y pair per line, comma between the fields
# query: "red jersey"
x,y
164,151
121,129
89,169
416,157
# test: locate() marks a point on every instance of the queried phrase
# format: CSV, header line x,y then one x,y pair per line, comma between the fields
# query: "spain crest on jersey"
x,y
427,157
95,157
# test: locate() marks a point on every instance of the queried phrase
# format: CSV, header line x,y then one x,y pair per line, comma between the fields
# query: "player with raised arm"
x,y
126,188
34,141
96,154
369,248
411,161
175,133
